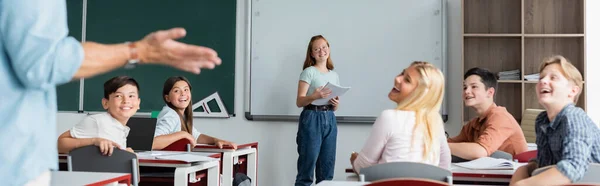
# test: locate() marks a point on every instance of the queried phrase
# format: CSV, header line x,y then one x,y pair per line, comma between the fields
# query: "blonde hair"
x,y
426,101
567,69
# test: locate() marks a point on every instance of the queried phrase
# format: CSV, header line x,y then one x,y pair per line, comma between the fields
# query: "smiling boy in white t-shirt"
x,y
106,130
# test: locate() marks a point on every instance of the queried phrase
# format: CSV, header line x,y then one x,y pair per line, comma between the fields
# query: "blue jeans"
x,y
316,139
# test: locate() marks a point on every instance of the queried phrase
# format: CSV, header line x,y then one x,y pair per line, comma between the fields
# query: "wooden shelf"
x,y
495,54
552,35
503,35
520,35
553,16
509,81
492,16
536,49
491,35
535,82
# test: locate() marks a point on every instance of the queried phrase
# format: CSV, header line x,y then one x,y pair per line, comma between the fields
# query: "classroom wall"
x,y
592,31
277,145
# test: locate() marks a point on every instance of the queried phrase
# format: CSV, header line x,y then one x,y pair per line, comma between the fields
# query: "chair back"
x,y
502,155
528,124
524,157
406,170
592,175
179,145
90,159
408,181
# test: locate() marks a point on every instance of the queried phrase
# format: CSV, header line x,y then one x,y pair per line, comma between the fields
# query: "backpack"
x,y
241,179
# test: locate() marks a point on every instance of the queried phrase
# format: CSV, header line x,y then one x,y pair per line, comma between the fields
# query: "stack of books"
x,y
488,163
532,77
510,75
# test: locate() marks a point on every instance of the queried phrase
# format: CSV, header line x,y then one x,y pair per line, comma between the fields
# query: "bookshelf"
x,y
504,35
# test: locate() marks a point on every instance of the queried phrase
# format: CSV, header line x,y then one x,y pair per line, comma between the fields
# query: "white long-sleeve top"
x,y
391,138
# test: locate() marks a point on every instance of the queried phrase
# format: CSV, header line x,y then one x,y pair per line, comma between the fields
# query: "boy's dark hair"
x,y
115,83
487,78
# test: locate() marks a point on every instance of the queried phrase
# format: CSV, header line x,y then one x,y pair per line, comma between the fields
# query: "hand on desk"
x,y
106,146
220,143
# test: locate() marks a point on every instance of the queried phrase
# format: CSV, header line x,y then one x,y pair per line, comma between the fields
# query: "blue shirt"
x,y
570,142
35,56
316,78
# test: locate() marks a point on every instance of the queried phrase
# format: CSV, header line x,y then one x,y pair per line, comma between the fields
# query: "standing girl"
x,y
317,129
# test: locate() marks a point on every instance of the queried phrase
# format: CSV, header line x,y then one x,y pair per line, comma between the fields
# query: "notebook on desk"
x,y
177,155
487,163
141,133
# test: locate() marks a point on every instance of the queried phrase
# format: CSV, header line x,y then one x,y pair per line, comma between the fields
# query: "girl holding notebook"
x,y
317,128
175,120
414,131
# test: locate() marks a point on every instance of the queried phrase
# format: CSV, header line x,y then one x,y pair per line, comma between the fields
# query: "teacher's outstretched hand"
x,y
161,47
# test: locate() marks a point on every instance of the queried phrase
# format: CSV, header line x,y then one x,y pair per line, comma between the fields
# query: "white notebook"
x,y
487,163
180,156
186,157
335,91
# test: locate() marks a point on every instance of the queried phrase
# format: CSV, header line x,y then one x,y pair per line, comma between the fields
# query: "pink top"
x,y
390,141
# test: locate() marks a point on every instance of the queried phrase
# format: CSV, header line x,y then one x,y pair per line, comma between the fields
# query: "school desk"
x,y
341,183
182,168
66,178
245,157
464,175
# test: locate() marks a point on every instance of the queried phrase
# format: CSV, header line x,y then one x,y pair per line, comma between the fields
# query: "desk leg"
x,y
227,168
180,177
213,176
251,168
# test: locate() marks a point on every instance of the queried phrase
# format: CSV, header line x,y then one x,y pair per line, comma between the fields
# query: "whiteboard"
x,y
371,42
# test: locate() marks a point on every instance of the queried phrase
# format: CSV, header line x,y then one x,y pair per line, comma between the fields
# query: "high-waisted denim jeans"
x,y
316,139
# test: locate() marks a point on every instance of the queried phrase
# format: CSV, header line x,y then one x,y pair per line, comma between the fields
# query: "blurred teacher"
x,y
37,55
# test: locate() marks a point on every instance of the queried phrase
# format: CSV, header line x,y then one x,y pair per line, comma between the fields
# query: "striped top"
x,y
570,142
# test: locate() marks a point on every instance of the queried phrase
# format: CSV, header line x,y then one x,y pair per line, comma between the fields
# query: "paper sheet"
x,y
335,91
186,157
487,163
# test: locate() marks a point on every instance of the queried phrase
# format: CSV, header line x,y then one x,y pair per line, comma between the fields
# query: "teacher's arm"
x,y
159,47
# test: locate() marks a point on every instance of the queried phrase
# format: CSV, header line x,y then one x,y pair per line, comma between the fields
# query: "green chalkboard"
x,y
208,23
68,94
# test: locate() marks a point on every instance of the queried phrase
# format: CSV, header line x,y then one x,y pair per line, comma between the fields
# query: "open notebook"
x,y
487,163
179,156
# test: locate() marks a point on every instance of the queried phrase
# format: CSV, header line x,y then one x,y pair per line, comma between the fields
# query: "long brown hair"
x,y
310,60
187,121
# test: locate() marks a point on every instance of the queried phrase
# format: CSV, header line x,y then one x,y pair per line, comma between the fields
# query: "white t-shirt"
x,y
102,126
168,122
